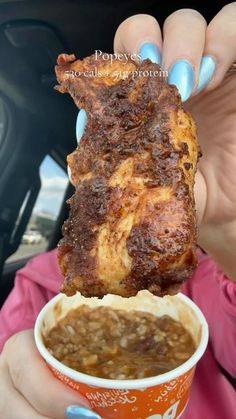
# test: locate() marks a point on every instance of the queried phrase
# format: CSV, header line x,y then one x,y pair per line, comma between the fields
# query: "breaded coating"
x,y
132,222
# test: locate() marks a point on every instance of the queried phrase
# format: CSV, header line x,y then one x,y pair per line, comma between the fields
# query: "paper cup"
x,y
161,397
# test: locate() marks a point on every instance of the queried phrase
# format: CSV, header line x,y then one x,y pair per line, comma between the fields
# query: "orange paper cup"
x,y
161,397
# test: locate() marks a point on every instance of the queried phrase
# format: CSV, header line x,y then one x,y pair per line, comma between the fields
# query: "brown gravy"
x,y
119,344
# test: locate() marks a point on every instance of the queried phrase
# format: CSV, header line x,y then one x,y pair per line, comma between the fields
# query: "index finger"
x,y
139,34
33,379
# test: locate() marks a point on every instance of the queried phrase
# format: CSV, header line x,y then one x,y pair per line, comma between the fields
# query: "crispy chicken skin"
x,y
132,222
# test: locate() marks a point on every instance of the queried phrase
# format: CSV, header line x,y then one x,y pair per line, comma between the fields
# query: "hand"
x,y
197,58
215,188
209,51
28,390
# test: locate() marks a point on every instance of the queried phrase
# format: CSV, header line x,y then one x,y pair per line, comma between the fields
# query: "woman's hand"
x,y
215,188
29,390
197,58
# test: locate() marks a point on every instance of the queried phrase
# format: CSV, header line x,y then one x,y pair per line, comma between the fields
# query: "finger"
x,y
81,123
220,45
35,381
140,35
183,45
12,403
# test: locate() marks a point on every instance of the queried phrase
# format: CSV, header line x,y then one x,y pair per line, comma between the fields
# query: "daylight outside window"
x,y
41,224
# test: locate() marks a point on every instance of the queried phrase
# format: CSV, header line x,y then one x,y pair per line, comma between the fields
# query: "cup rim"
x,y
134,384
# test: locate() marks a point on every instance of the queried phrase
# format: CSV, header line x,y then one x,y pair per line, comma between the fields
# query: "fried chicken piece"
x,y
132,222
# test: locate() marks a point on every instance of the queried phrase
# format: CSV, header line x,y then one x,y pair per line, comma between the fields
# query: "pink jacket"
x,y
212,396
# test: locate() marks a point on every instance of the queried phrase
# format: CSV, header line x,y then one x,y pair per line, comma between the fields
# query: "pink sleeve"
x,y
215,294
35,284
224,332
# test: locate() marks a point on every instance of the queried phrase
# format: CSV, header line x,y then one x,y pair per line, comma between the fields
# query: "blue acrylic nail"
x,y
151,51
81,412
80,124
207,70
182,76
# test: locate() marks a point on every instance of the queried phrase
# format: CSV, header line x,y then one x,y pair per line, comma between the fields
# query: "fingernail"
x,y
69,172
182,76
81,412
80,124
207,69
151,51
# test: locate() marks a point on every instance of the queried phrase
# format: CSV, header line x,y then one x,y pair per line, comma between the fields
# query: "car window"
x,y
54,182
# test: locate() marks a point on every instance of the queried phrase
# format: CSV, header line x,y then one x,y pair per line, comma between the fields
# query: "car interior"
x,y
35,120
